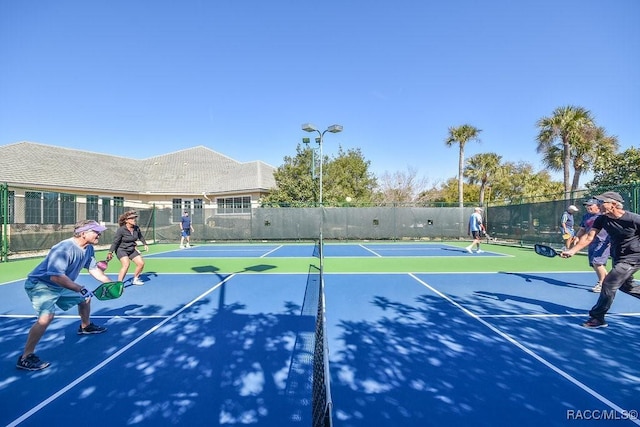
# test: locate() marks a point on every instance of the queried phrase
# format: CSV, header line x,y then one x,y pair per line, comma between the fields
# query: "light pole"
x,y
308,127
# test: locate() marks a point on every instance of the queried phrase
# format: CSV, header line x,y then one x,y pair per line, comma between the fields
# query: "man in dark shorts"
x,y
624,231
185,230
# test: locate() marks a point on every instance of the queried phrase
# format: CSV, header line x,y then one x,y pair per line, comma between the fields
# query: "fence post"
x,y
4,227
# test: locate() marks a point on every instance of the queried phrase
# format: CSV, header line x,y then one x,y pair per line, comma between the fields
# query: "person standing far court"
x,y
566,226
125,246
475,229
185,230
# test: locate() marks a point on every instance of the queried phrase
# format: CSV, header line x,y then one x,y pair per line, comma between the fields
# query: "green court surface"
x,y
517,259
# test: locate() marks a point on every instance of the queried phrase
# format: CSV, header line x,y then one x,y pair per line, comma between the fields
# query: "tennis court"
x,y
419,334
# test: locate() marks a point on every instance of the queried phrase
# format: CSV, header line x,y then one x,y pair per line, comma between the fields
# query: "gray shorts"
x,y
45,297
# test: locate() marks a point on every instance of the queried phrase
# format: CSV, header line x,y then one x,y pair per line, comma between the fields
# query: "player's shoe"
x,y
469,250
188,245
136,281
181,247
479,251
597,288
31,363
91,329
594,323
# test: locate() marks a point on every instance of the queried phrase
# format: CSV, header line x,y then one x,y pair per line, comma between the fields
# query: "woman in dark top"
x,y
124,245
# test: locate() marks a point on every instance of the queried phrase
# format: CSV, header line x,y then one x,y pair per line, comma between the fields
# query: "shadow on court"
x,y
546,279
218,362
424,362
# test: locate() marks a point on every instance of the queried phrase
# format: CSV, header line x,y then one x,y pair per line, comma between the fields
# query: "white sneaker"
x,y
137,282
188,245
468,250
479,251
181,247
597,288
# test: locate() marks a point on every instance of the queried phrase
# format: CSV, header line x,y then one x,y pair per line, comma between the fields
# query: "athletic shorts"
x,y
131,255
186,232
476,235
45,297
598,253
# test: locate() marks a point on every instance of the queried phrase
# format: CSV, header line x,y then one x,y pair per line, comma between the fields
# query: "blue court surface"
x,y
406,349
360,250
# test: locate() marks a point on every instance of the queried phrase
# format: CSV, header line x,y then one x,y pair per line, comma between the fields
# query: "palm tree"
x,y
481,169
461,135
559,134
594,144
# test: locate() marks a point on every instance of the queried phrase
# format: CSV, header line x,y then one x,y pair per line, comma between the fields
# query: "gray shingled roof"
x,y
190,171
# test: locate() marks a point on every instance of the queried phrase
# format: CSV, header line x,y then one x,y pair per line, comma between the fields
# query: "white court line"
x,y
369,250
549,315
75,316
528,351
109,359
271,251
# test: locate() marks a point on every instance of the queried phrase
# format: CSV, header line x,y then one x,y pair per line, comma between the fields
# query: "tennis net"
x,y
321,391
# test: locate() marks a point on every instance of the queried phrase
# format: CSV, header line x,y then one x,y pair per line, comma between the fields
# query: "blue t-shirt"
x,y
186,222
475,222
567,220
65,258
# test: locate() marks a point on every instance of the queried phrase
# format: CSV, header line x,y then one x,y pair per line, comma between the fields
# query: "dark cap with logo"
x,y
610,196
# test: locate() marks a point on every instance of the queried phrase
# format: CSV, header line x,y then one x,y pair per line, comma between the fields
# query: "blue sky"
x,y
143,78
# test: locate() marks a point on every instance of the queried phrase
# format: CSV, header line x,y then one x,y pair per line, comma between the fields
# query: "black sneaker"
x,y
31,363
594,323
91,329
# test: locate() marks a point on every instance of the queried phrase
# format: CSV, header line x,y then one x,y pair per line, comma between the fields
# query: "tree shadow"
x,y
210,365
428,363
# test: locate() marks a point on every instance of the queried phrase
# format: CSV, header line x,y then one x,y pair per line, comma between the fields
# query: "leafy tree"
x,y
482,169
461,135
346,175
294,183
347,178
593,144
517,181
612,169
562,135
447,193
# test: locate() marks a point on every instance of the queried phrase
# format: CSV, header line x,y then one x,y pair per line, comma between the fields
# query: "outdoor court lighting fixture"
x,y
308,127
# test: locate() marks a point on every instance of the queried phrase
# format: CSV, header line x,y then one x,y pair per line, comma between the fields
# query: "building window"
x,y
198,211
50,208
234,205
93,208
176,210
106,210
33,207
67,209
118,206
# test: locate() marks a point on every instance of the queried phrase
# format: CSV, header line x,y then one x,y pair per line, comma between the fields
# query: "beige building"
x,y
48,178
